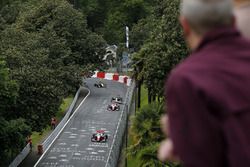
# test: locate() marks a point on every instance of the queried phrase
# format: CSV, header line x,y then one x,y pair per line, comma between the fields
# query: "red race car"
x,y
113,107
99,136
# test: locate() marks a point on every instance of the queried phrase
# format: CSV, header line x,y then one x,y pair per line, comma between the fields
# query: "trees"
x,y
146,134
8,91
44,47
162,49
12,131
46,50
159,47
110,17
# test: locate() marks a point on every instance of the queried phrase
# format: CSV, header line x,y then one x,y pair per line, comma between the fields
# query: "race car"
x,y
113,107
117,99
100,85
99,136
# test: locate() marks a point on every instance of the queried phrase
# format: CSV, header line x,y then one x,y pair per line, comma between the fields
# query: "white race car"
x,y
113,107
99,136
117,99
100,85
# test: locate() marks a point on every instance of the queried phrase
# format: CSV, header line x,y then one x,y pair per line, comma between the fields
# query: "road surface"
x,y
73,147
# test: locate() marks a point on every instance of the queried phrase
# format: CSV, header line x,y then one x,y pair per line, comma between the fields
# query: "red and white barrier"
x,y
113,76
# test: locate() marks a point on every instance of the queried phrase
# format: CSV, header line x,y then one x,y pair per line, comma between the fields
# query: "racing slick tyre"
x,y
93,138
105,138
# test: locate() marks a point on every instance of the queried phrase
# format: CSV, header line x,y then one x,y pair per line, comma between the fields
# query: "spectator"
x,y
53,123
242,13
29,141
208,94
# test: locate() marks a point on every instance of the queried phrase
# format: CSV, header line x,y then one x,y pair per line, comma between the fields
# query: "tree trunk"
x,y
149,96
154,98
139,95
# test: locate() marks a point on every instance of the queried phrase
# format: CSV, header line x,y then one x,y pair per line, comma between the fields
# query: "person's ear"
x,y
185,26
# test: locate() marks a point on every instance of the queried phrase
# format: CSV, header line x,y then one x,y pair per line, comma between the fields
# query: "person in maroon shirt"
x,y
208,94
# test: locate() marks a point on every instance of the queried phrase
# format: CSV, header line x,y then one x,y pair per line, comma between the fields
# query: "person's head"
x,y
242,11
198,17
240,2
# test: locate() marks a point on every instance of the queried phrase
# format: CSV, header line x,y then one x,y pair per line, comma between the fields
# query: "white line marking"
x,y
82,130
114,138
66,132
64,160
62,129
101,151
93,153
89,149
77,154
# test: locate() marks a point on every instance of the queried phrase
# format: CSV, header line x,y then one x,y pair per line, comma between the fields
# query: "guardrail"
x,y
21,156
116,146
59,127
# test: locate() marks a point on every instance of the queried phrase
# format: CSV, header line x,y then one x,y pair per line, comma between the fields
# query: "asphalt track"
x,y
73,147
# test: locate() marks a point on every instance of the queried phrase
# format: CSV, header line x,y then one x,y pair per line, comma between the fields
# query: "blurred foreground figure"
x,y
242,13
208,95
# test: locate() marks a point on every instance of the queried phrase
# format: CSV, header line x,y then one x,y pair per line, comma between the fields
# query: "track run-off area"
x,y
73,147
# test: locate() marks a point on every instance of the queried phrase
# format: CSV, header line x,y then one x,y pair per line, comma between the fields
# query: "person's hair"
x,y
205,15
241,2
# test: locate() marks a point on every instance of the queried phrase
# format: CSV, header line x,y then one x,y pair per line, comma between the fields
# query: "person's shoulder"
x,y
184,67
179,73
188,68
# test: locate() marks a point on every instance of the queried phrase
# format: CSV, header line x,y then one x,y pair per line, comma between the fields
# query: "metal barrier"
x,y
56,131
116,146
21,156
44,146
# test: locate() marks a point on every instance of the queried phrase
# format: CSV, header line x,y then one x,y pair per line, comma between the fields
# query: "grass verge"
x,y
132,161
37,137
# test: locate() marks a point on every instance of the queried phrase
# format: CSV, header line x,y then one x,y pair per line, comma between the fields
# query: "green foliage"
x,y
141,32
147,134
46,50
45,46
146,128
13,138
159,46
8,91
110,17
162,49
9,11
12,132
148,156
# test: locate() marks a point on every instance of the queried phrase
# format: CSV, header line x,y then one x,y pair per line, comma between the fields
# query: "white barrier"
x,y
21,156
44,146
116,146
110,76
